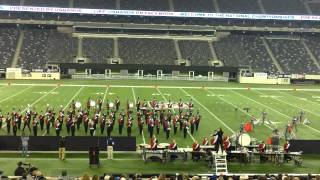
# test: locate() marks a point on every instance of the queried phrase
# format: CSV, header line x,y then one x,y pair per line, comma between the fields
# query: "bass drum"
x,y
244,139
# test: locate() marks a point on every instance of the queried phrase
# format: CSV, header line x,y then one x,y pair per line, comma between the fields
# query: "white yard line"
x,y
75,95
135,100
211,113
39,99
235,106
277,99
317,104
16,94
168,87
105,95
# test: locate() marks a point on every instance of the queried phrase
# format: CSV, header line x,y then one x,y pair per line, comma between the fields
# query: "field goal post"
x,y
159,74
107,73
210,75
191,75
140,74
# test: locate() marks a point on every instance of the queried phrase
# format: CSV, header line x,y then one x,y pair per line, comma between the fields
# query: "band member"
x,y
175,124
26,120
121,122
99,102
129,126
169,104
112,118
15,127
253,121
41,120
108,106
140,122
295,123
103,122
180,106
173,146
214,138
18,116
153,143
286,149
35,127
185,128
48,124
145,107
190,105
1,119
91,127
219,142
157,124
227,144
181,120
117,103
301,117
198,118
195,151
109,127
167,126
88,104
138,104
86,123
262,150
79,119
68,123
57,126
205,142
8,122
192,124
150,126
73,127
264,116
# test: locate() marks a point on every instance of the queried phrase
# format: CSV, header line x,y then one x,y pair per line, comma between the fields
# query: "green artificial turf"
x,y
221,105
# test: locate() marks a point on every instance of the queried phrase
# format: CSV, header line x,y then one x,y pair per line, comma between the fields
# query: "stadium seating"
x,y
194,5
8,44
147,51
47,3
236,6
292,56
10,2
33,53
284,7
148,5
95,4
197,52
313,44
315,8
243,50
97,50
61,47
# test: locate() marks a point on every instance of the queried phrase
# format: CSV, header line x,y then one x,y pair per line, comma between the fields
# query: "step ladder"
x,y
220,163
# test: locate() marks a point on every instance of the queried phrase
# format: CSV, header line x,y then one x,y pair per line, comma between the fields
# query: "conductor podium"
x,y
94,157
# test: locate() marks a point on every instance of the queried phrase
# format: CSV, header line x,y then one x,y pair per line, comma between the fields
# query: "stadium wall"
x,y
263,80
76,143
16,73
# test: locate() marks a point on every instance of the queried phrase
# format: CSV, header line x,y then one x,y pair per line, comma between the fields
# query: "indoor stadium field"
x,y
160,89
225,105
